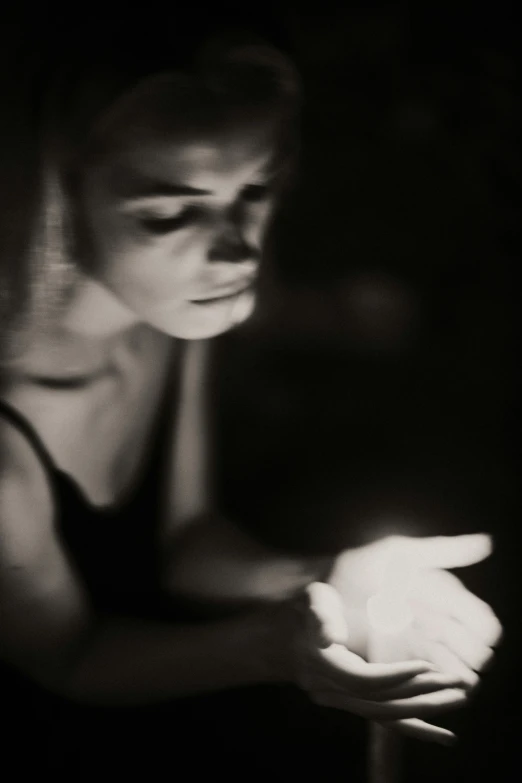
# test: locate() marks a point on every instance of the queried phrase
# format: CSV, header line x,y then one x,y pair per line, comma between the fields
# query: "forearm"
x,y
130,662
216,562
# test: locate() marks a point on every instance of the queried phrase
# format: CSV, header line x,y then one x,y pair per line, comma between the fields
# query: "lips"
x,y
221,296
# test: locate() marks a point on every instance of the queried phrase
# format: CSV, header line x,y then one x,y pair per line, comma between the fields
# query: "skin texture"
x,y
149,264
163,255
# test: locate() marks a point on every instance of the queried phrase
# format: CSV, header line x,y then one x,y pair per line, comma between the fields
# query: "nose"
x,y
229,243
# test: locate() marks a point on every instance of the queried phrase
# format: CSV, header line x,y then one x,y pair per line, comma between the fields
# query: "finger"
x,y
422,684
416,707
444,592
326,620
450,632
419,729
443,659
449,551
349,670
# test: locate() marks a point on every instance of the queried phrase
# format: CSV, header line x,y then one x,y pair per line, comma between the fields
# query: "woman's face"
x,y
176,224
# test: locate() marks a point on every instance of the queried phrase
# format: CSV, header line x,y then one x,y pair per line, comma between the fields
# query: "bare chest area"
x,y
101,435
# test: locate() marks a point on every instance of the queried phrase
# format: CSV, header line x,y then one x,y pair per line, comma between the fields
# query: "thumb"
x,y
450,551
326,619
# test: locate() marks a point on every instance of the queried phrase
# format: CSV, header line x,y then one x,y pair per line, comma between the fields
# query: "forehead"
x,y
203,159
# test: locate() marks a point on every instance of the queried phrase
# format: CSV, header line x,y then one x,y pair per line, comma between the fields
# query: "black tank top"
x,y
114,549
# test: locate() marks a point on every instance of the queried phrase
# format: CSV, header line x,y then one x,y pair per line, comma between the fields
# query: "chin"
x,y
203,321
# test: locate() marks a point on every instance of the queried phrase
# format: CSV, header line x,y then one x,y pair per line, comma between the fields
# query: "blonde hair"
x,y
77,120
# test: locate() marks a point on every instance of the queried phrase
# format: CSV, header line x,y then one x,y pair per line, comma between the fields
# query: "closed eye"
x,y
165,224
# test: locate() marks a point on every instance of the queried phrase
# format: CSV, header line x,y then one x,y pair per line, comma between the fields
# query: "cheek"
x,y
146,271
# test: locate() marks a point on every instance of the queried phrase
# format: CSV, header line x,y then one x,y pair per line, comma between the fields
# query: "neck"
x,y
85,339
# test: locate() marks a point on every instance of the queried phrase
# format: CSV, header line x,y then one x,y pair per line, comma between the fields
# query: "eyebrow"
x,y
137,186
148,188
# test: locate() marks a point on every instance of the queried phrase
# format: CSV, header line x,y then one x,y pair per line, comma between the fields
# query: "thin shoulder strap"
x,y
19,421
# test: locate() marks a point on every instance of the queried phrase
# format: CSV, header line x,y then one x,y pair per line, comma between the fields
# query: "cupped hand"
x,y
334,676
451,627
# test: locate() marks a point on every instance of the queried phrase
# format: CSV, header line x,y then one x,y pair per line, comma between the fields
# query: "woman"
x,y
160,164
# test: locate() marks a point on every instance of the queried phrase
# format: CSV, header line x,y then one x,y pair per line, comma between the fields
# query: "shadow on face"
x,y
176,200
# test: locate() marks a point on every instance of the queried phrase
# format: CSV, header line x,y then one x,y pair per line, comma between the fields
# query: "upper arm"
x,y
44,610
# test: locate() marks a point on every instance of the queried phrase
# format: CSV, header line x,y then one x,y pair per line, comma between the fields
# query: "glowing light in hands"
x,y
388,610
388,616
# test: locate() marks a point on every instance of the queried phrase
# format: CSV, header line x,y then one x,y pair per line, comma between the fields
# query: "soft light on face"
x,y
176,225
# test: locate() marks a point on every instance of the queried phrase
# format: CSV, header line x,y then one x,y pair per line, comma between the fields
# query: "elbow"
x,y
56,671
51,676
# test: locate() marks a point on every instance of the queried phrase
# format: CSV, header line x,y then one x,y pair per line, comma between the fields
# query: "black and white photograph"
x,y
259,388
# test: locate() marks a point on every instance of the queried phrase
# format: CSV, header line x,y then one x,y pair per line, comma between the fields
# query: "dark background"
x,y
377,388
